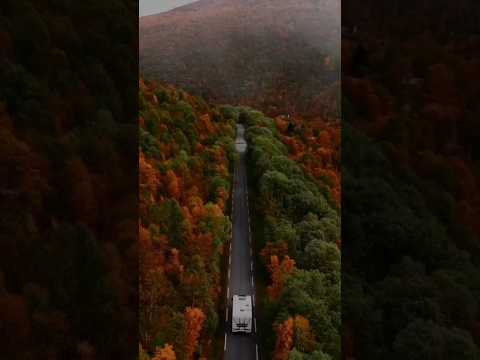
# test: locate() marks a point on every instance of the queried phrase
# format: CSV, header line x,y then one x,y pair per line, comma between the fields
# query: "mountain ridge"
x,y
268,54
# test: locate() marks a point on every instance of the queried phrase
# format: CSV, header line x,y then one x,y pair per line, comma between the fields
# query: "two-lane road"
x,y
241,276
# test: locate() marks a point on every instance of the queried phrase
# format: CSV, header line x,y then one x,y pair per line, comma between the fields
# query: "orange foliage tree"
x,y
194,318
278,249
293,332
165,353
285,339
304,337
173,184
279,272
315,144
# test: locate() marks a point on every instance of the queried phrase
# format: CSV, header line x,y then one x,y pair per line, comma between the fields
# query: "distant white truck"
x,y
242,313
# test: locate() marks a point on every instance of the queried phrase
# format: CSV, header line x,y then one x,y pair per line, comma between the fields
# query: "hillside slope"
x,y
245,51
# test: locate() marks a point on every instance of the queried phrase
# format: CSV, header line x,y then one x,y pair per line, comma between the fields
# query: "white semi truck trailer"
x,y
242,313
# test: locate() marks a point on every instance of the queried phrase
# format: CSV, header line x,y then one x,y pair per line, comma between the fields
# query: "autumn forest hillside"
x,y
278,63
186,159
275,55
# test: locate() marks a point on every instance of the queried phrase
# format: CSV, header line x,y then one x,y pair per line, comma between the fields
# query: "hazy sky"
x,y
148,7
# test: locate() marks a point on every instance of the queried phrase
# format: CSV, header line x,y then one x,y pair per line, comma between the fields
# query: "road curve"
x,y
241,275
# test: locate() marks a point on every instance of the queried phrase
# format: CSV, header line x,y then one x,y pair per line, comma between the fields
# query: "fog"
x,y
149,7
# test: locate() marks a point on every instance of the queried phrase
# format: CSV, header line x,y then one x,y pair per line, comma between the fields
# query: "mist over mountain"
x,y
276,54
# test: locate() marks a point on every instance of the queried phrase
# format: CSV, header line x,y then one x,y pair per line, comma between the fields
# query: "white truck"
x,y
242,313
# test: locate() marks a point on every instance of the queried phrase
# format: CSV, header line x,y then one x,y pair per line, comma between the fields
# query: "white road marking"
x,y
225,343
238,177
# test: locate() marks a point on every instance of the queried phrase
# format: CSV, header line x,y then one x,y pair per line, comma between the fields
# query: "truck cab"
x,y
242,314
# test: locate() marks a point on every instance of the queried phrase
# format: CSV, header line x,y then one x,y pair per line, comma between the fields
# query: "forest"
x,y
185,172
299,239
186,160
276,56
68,184
410,169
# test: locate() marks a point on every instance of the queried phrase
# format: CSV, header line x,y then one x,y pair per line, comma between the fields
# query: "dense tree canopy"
x,y
419,279
281,59
410,181
298,242
186,157
68,75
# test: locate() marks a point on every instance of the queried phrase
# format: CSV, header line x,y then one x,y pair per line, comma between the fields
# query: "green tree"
x,y
426,340
322,256
314,296
170,218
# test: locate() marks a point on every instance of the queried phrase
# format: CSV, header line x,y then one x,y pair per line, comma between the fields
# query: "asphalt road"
x,y
241,276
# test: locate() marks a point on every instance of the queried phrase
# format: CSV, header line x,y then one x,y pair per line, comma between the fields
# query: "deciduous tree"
x,y
194,318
